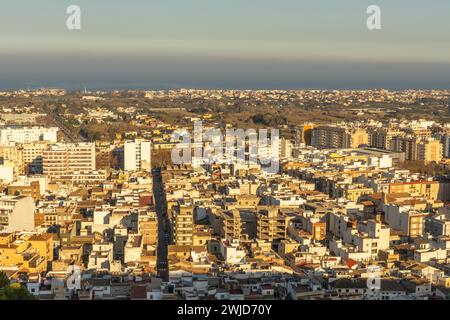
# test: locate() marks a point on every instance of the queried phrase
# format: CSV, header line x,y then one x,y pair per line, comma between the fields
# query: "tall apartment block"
x,y
429,151
66,158
381,138
240,225
446,145
148,228
137,155
12,156
183,224
272,224
32,155
426,149
330,137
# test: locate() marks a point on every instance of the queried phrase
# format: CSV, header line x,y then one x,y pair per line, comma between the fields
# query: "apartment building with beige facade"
x,y
183,224
330,137
238,224
271,223
66,158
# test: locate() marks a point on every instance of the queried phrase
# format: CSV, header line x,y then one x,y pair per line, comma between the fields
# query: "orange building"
x,y
425,189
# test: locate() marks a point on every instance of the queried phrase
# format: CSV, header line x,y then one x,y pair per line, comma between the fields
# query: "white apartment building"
x,y
17,213
286,148
6,173
101,219
404,219
137,155
361,242
384,161
101,256
231,251
269,150
133,248
10,135
439,225
66,158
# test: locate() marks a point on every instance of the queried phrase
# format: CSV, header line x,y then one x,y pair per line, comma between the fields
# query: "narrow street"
x,y
163,233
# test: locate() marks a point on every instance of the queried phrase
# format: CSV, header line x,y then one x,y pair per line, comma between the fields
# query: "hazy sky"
x,y
225,43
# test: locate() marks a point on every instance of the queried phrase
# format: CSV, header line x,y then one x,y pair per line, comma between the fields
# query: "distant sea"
x,y
245,85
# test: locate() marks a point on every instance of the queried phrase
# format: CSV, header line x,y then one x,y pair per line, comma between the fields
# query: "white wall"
x,y
22,216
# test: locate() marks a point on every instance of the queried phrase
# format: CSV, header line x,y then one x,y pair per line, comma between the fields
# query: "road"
x,y
60,123
163,222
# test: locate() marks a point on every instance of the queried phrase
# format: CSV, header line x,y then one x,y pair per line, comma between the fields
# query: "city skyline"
x,y
347,199
221,159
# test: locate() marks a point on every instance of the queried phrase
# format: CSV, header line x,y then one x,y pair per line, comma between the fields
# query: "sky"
x,y
242,44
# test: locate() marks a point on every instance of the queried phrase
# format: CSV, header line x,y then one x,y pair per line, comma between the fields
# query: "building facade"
x,y
66,158
137,155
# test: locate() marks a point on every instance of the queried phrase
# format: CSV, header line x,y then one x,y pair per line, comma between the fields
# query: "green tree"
x,y
15,292
4,281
